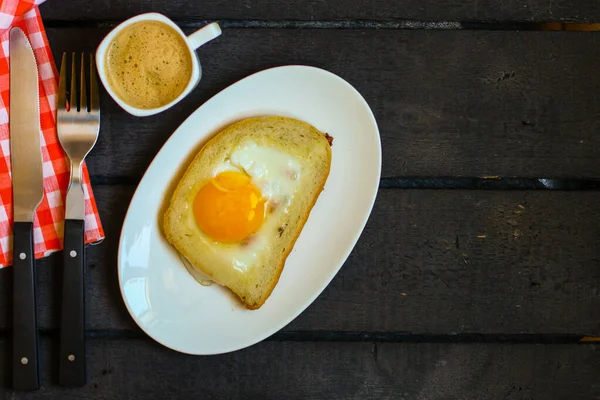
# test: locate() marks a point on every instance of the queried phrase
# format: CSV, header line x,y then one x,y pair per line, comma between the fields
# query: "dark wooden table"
x,y
478,273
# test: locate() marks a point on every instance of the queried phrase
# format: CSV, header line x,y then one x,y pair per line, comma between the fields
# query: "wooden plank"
x,y
454,103
428,262
276,370
451,10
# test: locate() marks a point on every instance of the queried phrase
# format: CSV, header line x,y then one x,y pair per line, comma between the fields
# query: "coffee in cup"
x,y
148,64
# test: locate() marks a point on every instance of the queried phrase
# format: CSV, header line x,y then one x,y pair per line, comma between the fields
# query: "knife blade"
x,y
28,190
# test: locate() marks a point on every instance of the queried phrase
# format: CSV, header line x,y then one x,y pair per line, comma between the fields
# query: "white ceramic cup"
x,y
195,40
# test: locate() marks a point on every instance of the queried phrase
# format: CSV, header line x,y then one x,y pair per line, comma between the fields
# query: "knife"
x,y
28,190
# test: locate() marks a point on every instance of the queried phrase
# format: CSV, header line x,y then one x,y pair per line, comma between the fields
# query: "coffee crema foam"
x,y
148,64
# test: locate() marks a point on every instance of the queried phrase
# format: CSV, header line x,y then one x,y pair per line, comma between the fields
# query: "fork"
x,y
78,125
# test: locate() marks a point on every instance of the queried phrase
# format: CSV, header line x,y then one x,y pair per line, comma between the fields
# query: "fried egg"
x,y
237,208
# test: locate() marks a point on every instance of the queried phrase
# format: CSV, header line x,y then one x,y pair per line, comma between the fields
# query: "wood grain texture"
x,y
428,262
454,103
142,369
532,10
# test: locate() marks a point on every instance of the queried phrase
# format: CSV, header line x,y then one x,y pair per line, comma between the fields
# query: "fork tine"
x,y
94,96
73,97
61,102
83,102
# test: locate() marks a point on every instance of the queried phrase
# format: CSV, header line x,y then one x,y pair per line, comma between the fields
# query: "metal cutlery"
x,y
28,190
78,124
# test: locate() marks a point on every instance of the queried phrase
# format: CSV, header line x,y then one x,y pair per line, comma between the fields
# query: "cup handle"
x,y
203,35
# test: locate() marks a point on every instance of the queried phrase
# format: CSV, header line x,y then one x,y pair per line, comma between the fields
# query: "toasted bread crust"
x,y
276,277
172,217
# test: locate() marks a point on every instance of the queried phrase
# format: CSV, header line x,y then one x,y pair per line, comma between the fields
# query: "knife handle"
x,y
72,323
25,334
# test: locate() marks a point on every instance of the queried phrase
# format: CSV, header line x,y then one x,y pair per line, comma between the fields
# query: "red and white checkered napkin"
x,y
49,218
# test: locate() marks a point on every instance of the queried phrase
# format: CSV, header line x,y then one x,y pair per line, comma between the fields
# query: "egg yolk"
x,y
229,208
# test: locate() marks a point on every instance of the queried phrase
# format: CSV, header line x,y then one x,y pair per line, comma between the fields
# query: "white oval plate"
x,y
164,299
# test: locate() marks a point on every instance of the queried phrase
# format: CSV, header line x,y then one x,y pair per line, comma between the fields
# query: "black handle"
x,y
72,323
25,334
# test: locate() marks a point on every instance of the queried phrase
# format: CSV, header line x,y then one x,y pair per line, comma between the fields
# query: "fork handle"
x,y
72,325
25,333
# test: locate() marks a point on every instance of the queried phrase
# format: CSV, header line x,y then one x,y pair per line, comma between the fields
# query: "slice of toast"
x,y
263,255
